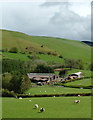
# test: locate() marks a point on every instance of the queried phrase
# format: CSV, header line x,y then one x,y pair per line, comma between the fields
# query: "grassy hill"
x,y
55,107
66,48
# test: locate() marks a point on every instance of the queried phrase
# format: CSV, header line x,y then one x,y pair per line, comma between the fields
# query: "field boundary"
x,y
51,95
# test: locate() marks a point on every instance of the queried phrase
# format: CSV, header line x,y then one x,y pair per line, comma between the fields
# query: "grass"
x,y
55,90
50,58
64,47
58,107
24,57
84,82
20,56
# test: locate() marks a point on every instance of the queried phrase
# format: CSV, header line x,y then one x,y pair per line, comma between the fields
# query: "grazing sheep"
x,y
78,95
42,109
20,97
29,100
76,101
36,106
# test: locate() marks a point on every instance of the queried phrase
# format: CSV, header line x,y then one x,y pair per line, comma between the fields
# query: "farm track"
x,y
82,82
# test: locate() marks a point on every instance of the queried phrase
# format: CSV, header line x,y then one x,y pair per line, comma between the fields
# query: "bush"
x,y
52,95
72,63
54,54
33,57
41,45
49,53
14,50
7,93
41,52
30,52
60,56
5,50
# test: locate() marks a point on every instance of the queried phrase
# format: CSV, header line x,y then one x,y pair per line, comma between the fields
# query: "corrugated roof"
x,y
78,73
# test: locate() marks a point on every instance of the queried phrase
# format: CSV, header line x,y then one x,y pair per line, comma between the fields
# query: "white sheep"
x,y
29,100
20,97
76,101
36,106
42,109
78,95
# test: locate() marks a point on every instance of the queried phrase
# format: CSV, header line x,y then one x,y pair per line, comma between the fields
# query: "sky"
x,y
65,19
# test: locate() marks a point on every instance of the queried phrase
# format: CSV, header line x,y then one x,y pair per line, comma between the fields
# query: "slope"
x,y
66,48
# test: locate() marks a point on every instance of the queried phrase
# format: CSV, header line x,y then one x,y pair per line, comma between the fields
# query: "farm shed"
x,y
58,69
42,77
76,75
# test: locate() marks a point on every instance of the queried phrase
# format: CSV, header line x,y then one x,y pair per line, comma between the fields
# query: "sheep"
x,y
29,100
20,97
76,101
42,109
36,106
78,95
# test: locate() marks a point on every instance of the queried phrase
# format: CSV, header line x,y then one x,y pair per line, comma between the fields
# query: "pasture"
x,y
24,57
19,56
66,48
55,107
84,82
55,90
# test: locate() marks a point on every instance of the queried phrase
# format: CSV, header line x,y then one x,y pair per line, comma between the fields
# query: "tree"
x,y
91,66
69,63
72,63
63,73
44,69
26,83
20,83
15,83
6,77
14,50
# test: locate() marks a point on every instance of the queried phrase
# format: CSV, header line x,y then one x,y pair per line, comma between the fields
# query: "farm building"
x,y
42,77
76,75
58,69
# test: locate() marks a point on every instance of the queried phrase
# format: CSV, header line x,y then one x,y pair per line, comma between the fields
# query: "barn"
x,y
77,75
42,77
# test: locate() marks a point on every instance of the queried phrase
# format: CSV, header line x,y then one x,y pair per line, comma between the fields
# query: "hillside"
x,y
88,43
66,48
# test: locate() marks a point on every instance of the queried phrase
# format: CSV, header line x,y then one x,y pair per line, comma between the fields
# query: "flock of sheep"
x,y
36,106
43,109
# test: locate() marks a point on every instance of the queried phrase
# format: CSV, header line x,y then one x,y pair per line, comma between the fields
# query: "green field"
x,y
64,47
55,90
84,82
24,57
58,107
19,56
